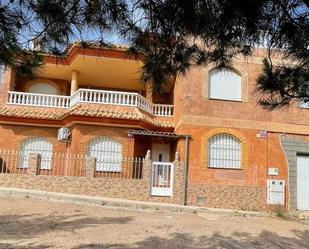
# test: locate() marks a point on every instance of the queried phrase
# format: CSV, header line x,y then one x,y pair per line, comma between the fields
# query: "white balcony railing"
x,y
163,110
90,96
104,97
35,99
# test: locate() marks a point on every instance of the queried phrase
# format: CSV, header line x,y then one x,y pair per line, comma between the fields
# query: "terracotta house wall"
x,y
191,99
201,117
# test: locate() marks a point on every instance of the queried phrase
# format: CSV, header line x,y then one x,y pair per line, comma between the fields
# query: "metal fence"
x,y
56,164
124,168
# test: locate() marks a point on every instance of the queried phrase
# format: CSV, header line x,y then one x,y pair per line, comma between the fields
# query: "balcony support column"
x,y
74,81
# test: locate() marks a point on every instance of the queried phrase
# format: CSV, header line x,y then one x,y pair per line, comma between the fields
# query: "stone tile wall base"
x,y
230,197
131,189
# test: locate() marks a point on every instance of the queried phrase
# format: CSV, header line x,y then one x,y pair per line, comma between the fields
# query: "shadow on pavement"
x,y
25,226
265,240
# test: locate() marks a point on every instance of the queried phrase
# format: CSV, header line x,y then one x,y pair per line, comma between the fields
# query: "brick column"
x,y
33,164
8,83
179,181
146,178
90,167
147,169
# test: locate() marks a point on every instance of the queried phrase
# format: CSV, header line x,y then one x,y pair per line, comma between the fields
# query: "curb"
x,y
118,203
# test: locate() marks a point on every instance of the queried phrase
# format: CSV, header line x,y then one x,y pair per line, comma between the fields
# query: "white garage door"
x,y
303,182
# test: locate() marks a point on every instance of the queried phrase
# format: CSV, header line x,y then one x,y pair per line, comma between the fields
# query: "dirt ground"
x,y
36,224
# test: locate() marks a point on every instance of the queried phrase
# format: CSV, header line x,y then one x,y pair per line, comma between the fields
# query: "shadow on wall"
x,y
237,240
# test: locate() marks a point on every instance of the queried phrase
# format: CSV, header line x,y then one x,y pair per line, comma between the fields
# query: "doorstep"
x,y
118,203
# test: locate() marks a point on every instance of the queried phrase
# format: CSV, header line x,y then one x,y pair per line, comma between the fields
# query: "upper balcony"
x,y
103,97
88,85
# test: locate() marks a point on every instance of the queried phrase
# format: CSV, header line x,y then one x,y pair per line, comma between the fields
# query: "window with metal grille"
x,y
224,152
107,152
37,145
224,84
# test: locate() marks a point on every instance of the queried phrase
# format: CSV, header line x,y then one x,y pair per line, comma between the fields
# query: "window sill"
x,y
224,168
227,100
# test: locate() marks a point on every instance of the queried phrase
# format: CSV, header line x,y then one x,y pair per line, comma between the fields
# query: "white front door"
x,y
160,152
303,182
162,171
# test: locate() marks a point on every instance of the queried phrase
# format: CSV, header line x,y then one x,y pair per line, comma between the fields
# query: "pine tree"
x,y
171,36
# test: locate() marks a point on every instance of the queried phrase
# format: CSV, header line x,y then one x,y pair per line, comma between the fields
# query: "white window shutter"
x,y
108,154
36,145
224,84
43,88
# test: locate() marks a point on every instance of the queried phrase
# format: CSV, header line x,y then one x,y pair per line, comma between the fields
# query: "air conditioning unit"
x,y
64,134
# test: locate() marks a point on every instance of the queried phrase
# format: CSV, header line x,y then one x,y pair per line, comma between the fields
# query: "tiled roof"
x,y
80,110
108,113
153,133
36,113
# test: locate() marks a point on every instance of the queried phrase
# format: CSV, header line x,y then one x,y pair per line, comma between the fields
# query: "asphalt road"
x,y
35,224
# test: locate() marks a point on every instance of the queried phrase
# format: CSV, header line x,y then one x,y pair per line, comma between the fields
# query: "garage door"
x,y
303,182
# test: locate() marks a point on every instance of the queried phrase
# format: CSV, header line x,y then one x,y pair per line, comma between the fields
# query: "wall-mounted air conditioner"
x,y
64,134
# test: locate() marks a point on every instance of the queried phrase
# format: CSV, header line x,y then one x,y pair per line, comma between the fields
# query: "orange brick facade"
x,y
201,117
194,114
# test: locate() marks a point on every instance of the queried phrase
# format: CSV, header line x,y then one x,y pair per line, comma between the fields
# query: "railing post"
x,y
90,167
33,164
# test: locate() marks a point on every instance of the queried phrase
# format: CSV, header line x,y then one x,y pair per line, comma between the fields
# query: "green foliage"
x,y
279,211
172,35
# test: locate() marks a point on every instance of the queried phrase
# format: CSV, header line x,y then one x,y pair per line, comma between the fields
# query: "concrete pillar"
x,y
74,81
33,164
90,167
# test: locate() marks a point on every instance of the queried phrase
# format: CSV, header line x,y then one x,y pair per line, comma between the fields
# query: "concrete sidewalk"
x,y
118,203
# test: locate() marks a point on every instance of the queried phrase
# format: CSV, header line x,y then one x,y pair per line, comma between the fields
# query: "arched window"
x,y
37,145
43,88
224,84
107,152
224,152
